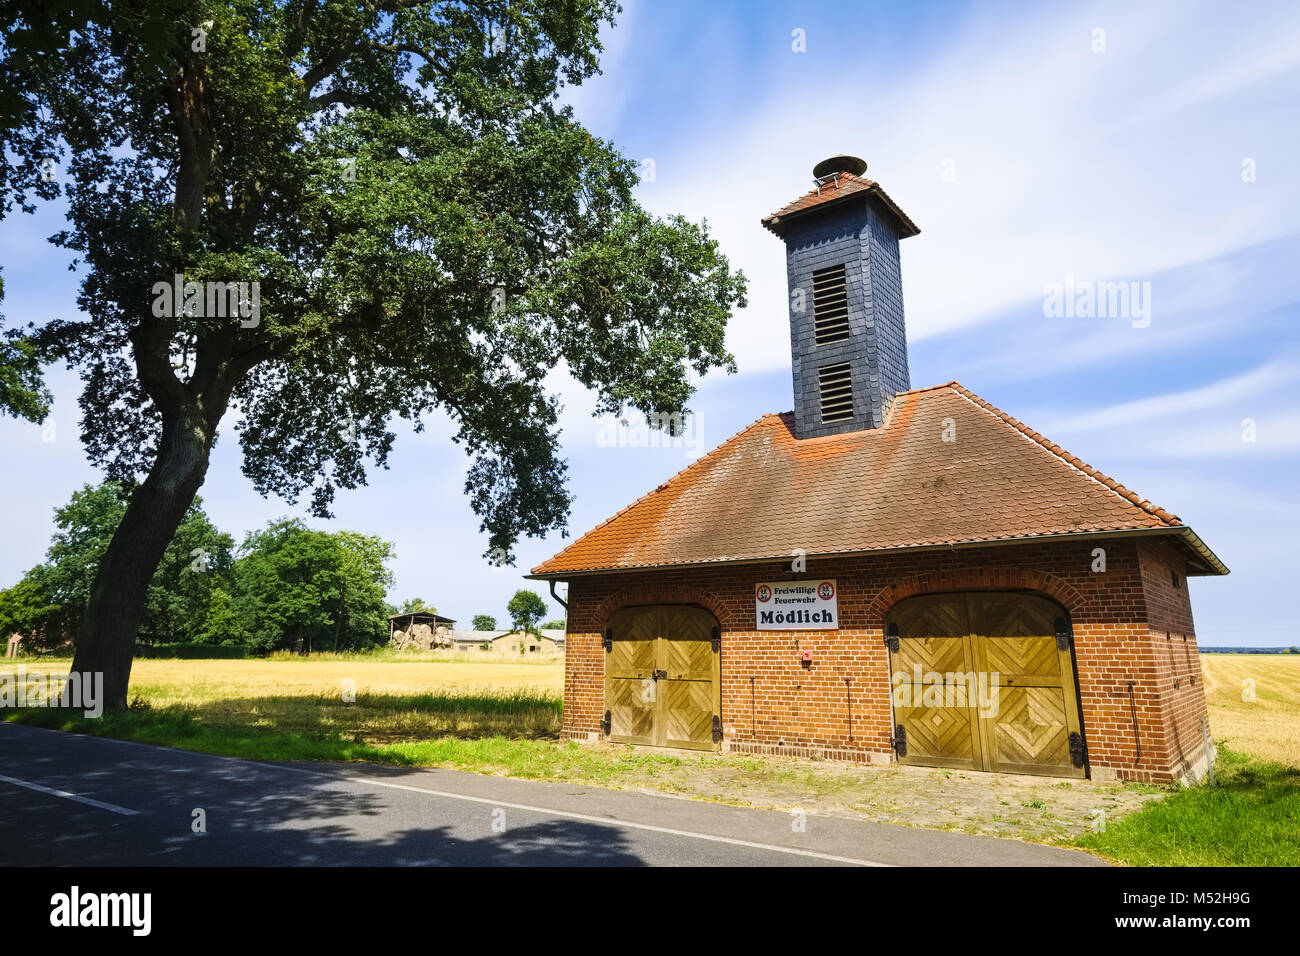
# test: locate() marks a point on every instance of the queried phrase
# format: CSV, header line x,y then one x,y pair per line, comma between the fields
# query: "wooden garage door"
x,y
949,643
662,674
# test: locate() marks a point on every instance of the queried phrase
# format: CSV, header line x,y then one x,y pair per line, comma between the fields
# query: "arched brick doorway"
x,y
985,680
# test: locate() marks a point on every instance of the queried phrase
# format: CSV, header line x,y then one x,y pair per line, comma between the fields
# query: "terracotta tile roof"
x,y
845,186
763,493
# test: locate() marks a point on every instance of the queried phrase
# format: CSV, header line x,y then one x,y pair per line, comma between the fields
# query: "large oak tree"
x,y
429,230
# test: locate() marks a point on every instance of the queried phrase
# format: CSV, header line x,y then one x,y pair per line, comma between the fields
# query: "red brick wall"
x,y
1173,637
771,703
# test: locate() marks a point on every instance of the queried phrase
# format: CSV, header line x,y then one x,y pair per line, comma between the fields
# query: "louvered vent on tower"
x,y
830,305
835,386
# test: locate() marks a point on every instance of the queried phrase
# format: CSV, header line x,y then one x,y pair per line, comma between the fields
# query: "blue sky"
x,y
1024,152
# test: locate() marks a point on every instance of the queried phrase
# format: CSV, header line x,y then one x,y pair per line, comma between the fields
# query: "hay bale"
x,y
422,636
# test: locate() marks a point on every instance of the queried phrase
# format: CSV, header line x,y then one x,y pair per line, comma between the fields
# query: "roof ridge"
x,y
1072,460
930,388
658,488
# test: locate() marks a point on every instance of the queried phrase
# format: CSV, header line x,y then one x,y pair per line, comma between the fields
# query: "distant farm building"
x,y
423,630
507,642
546,642
403,622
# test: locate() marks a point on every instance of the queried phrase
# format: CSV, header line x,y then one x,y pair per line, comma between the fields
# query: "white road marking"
x,y
69,796
346,778
614,821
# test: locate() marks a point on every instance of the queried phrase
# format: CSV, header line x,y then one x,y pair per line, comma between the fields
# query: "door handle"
x,y
659,675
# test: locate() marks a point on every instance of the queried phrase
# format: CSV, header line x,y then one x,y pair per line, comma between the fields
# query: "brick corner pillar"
x,y
1143,698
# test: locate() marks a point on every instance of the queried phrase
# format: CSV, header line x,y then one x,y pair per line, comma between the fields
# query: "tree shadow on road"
x,y
265,815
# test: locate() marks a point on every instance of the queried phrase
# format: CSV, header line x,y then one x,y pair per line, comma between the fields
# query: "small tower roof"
x,y
836,180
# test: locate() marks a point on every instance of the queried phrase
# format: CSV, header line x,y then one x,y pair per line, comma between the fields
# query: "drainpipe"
x,y
1137,737
558,600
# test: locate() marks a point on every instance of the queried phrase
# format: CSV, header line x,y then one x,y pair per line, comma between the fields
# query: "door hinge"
x,y
1063,640
717,639
1078,749
891,638
899,740
605,724
717,729
608,642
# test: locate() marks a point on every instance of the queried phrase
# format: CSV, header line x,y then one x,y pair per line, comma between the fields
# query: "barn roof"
x,y
423,616
763,493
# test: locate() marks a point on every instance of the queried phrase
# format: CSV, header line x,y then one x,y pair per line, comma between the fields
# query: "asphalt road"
x,y
67,799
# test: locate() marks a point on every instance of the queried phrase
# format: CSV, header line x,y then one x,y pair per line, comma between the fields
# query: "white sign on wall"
x,y
796,606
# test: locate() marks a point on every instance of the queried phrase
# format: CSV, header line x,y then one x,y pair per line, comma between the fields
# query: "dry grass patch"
x,y
1269,726
390,703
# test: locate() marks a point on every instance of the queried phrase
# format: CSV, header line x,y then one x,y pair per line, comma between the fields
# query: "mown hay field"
x,y
1268,726
370,701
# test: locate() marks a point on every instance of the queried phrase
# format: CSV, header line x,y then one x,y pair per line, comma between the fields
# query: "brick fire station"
x,y
842,581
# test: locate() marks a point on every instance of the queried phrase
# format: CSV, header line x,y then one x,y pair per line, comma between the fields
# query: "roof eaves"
x,y
1182,531
1193,540
777,220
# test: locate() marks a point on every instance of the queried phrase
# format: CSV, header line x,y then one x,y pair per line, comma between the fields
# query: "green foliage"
x,y
193,581
525,610
312,590
485,622
411,605
51,599
22,388
558,624
27,609
223,623
429,232
286,583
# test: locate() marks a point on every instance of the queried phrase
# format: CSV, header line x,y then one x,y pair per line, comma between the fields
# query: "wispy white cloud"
x,y
1237,391
1101,165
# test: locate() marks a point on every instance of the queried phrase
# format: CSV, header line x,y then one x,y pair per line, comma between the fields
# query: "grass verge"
x,y
535,759
1251,818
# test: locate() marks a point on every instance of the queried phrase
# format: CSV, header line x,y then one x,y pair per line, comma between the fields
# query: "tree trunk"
x,y
107,640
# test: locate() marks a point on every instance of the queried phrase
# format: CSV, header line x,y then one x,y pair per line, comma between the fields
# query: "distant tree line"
x,y
286,587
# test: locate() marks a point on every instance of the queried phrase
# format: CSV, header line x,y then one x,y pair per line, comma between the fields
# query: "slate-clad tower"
x,y
848,339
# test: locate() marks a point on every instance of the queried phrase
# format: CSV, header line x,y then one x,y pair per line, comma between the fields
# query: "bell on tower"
x,y
848,339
